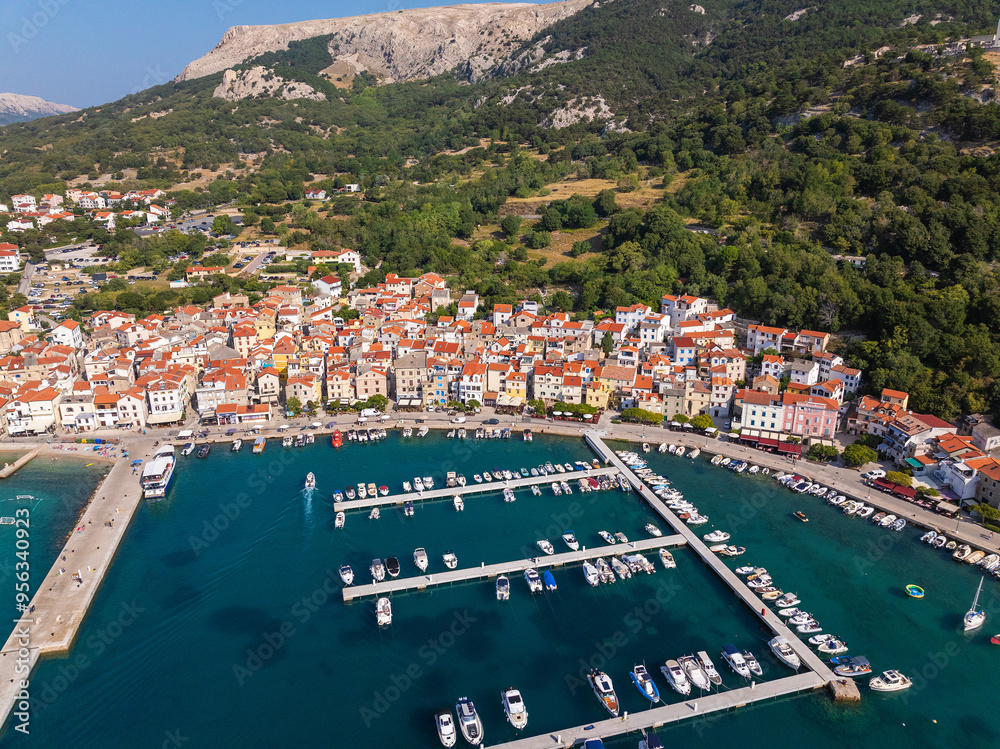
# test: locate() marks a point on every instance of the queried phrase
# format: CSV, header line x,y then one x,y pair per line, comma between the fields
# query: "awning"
x,y
947,507
883,484
785,447
765,442
749,438
914,463
904,491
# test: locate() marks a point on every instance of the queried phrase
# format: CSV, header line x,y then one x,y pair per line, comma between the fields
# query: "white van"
x,y
369,412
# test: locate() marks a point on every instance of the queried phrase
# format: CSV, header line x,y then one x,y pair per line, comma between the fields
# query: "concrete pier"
x,y
17,464
543,561
692,707
809,659
570,477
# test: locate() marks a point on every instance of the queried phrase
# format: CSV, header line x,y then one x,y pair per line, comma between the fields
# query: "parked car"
x,y
878,473
492,421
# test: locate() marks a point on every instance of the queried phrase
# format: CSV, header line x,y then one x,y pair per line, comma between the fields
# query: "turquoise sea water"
x,y
221,622
54,493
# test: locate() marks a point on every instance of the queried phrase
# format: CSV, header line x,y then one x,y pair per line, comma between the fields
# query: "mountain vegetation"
x,y
843,157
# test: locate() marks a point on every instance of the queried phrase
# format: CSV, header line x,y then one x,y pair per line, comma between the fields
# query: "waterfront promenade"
x,y
570,477
544,561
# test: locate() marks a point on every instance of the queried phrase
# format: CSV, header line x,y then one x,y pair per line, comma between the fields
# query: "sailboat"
x,y
975,616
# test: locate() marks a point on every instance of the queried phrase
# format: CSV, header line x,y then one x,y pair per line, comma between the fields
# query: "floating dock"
x,y
809,658
570,477
660,716
543,561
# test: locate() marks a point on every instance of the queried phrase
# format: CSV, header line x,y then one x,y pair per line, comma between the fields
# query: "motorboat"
x,y
469,722
733,551
736,661
513,707
604,570
237,446
653,531
769,593
204,450
338,496
645,447
716,537
975,557
620,568
392,566
789,599
801,516
347,574
546,546
340,519
603,688
676,677
458,502
362,492
833,646
975,616
569,538
621,537
450,560
709,668
310,480
383,612
752,663
287,440
374,514
377,570
508,495
667,559
820,639
535,490
408,508
556,488
420,558
477,478
890,681
372,490
856,666
695,673
679,452
503,588
644,683
878,517
445,724
745,570
349,491
550,580
608,538
533,580
810,627
590,574
187,449
800,618
428,482
783,651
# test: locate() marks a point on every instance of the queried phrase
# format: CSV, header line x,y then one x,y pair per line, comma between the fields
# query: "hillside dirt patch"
x,y
563,241
650,192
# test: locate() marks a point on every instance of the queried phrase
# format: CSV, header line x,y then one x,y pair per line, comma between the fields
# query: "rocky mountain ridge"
x,y
22,108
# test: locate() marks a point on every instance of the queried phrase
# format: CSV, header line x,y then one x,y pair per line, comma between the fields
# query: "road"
x,y
25,285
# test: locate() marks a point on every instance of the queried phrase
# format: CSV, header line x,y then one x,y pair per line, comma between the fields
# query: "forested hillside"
x,y
858,128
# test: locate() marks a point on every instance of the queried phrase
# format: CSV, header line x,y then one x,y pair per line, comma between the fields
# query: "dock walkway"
x,y
768,617
659,716
571,477
13,467
543,561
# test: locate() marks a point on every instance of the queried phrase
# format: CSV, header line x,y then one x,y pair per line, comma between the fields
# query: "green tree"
x,y
294,405
607,343
822,452
473,404
898,477
701,422
267,225
510,225
223,225
551,220
641,415
605,203
857,455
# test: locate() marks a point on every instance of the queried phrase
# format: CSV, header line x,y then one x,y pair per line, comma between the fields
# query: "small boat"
x,y
450,560
204,451
789,599
716,537
468,720
975,557
856,666
733,551
745,570
428,482
383,612
503,588
914,591
667,559
644,683
513,707
995,639
445,727
810,627
645,447
346,574
477,478
878,517
374,514
339,522
362,492
975,616
604,570
604,690
570,540
373,490
237,445
621,537
383,490
833,646
709,668
653,531
550,580
349,491
752,663
890,681
950,546
801,516
695,673
546,546
676,677
418,484
533,580
820,639
735,660
310,480
187,449
620,568
337,438
508,495
607,537
783,651
680,452
420,558
377,570
408,508
591,575
459,503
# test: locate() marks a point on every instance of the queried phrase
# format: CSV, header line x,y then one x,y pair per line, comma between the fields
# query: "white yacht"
x,y
374,514
469,722
378,570
458,502
428,482
652,530
695,673
709,668
570,540
340,519
383,612
667,559
310,480
420,558
736,661
157,473
604,690
591,575
450,560
445,726
833,646
716,537
533,580
890,681
546,546
237,445
503,588
975,616
346,574
782,649
752,663
513,707
418,484
677,677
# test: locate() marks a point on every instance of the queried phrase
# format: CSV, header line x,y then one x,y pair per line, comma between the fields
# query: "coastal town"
x,y
322,343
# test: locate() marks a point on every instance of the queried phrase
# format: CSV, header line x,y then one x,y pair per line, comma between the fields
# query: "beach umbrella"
x,y
588,416
136,462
